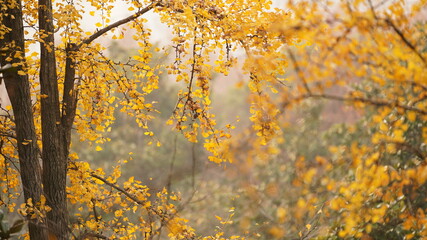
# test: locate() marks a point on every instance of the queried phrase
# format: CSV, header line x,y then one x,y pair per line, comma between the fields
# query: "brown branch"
x,y
417,151
371,6
133,198
374,102
117,24
8,135
405,40
69,99
164,220
379,103
171,168
299,72
193,167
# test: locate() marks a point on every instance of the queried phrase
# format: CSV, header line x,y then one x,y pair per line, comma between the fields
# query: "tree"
x,y
362,180
378,53
291,56
73,82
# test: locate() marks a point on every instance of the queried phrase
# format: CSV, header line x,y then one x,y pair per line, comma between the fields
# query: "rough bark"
x,y
18,89
54,153
69,100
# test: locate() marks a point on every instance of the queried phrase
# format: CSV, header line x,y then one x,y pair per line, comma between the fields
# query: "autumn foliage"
x,y
285,175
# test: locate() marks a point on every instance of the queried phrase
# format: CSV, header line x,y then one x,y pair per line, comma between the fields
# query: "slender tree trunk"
x,y
18,89
54,150
69,100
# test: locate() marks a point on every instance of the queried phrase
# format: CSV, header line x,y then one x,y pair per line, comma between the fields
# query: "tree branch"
x,y
69,97
133,198
116,24
405,40
8,135
300,74
374,102
417,151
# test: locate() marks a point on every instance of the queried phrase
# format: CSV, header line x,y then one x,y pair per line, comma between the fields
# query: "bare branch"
x,y
171,168
375,102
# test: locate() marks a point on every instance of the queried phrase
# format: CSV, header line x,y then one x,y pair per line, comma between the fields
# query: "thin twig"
x,y
299,72
374,102
171,167
418,152
133,198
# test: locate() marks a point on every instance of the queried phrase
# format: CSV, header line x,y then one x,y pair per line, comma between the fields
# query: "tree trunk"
x,y
18,89
54,150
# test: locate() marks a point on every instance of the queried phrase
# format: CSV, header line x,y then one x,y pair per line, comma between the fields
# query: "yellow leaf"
x,y
118,213
74,156
281,214
274,90
111,100
131,179
98,148
207,100
169,122
277,232
149,74
98,24
412,116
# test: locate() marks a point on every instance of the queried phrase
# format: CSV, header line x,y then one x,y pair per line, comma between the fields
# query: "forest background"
x,y
303,121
